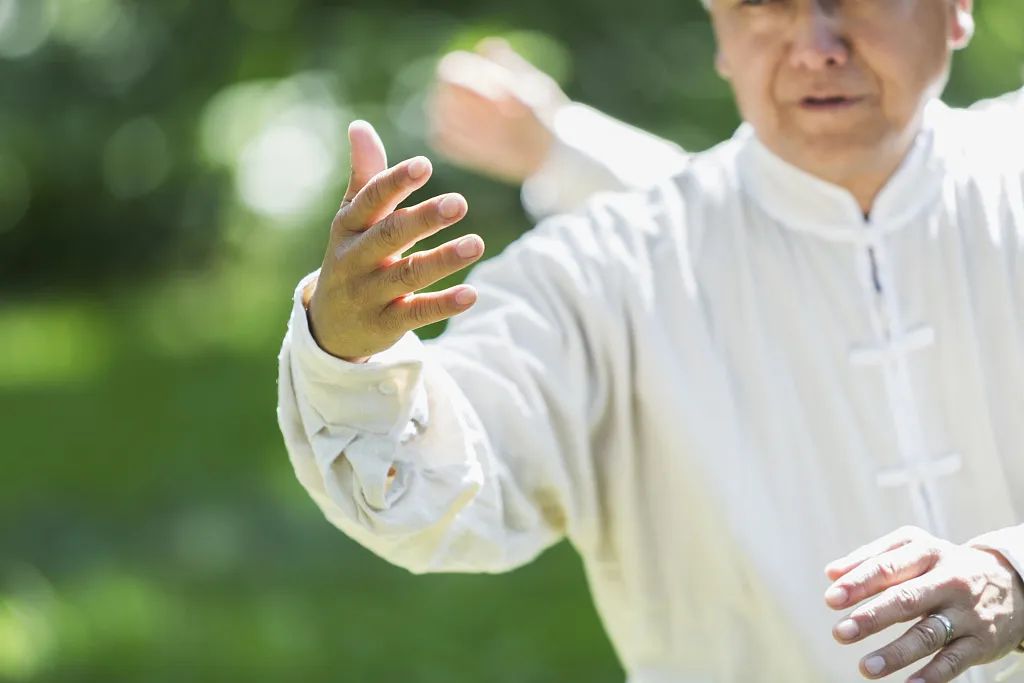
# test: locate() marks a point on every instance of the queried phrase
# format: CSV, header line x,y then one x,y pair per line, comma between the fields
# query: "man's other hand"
x,y
490,111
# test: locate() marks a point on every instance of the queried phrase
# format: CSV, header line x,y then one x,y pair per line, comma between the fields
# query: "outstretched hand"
x,y
365,297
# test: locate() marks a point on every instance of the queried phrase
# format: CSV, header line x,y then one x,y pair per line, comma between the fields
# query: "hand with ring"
x,y
968,604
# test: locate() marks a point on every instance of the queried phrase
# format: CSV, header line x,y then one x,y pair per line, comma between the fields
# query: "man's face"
x,y
832,86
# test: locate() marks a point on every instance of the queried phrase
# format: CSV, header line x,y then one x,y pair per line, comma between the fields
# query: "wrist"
x,y
307,304
1018,586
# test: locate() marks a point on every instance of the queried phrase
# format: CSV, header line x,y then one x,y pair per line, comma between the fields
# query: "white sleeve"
x,y
594,152
488,428
1008,542
1012,102
990,137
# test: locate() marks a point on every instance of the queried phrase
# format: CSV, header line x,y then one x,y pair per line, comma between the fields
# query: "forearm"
x,y
593,152
396,458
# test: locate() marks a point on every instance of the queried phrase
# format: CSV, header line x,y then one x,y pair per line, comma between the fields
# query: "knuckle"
x,y
959,584
374,190
426,218
904,600
886,571
949,661
928,635
407,273
869,621
429,311
338,222
389,232
342,252
899,654
391,321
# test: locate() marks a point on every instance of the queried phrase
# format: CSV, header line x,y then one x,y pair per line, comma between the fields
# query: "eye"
x,y
755,3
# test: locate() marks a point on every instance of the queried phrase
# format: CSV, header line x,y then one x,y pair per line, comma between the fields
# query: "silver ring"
x,y
947,624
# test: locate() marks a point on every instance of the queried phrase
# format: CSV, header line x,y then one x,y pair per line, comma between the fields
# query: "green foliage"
x,y
167,173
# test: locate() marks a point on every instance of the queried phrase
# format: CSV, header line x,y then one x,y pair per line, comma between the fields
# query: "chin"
x,y
836,154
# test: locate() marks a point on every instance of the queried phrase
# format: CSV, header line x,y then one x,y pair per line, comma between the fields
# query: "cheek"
x,y
754,92
752,71
915,47
906,66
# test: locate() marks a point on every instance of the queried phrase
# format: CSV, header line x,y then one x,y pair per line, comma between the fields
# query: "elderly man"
x,y
809,336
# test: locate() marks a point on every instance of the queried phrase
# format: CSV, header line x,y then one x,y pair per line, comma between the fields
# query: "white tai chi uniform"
x,y
711,388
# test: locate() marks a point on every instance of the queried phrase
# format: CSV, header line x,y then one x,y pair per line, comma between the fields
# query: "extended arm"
x,y
495,113
470,453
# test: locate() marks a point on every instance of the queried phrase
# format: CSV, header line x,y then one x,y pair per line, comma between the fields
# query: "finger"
x,y
499,51
416,310
894,539
424,268
402,229
874,575
951,661
903,602
367,157
475,74
922,639
383,193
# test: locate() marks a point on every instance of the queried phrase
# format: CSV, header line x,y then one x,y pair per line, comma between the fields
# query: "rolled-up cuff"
x,y
1008,542
378,397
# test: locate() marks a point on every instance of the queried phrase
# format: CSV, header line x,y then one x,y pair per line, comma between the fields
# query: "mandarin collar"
x,y
803,202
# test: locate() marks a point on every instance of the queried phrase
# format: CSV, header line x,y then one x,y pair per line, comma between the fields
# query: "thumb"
x,y
368,157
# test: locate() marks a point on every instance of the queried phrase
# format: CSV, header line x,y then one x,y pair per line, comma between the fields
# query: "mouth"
x,y
831,103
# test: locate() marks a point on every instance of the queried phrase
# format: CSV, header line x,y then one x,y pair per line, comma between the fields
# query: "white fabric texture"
x,y
593,151
711,388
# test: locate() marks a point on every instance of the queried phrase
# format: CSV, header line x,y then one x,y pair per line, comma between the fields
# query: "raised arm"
x,y
469,454
495,113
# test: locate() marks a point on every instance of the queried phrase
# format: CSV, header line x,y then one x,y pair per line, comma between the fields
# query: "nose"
x,y
818,42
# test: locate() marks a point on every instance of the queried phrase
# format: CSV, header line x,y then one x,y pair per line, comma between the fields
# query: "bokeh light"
x,y
25,26
283,141
136,158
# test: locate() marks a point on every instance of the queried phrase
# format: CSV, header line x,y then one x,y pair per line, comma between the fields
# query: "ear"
x,y
961,24
722,66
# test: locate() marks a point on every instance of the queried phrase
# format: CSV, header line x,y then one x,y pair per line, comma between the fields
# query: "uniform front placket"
x,y
889,352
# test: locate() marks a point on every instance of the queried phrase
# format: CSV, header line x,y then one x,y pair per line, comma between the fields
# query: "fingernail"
x,y
450,206
467,247
874,665
836,595
465,296
847,629
916,680
418,167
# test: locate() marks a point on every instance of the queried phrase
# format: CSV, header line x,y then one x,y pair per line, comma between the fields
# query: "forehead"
x,y
891,13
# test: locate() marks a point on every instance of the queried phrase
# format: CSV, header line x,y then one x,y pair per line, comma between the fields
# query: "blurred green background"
x,y
168,171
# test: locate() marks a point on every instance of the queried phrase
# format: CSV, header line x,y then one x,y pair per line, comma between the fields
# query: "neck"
x,y
866,171
866,186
